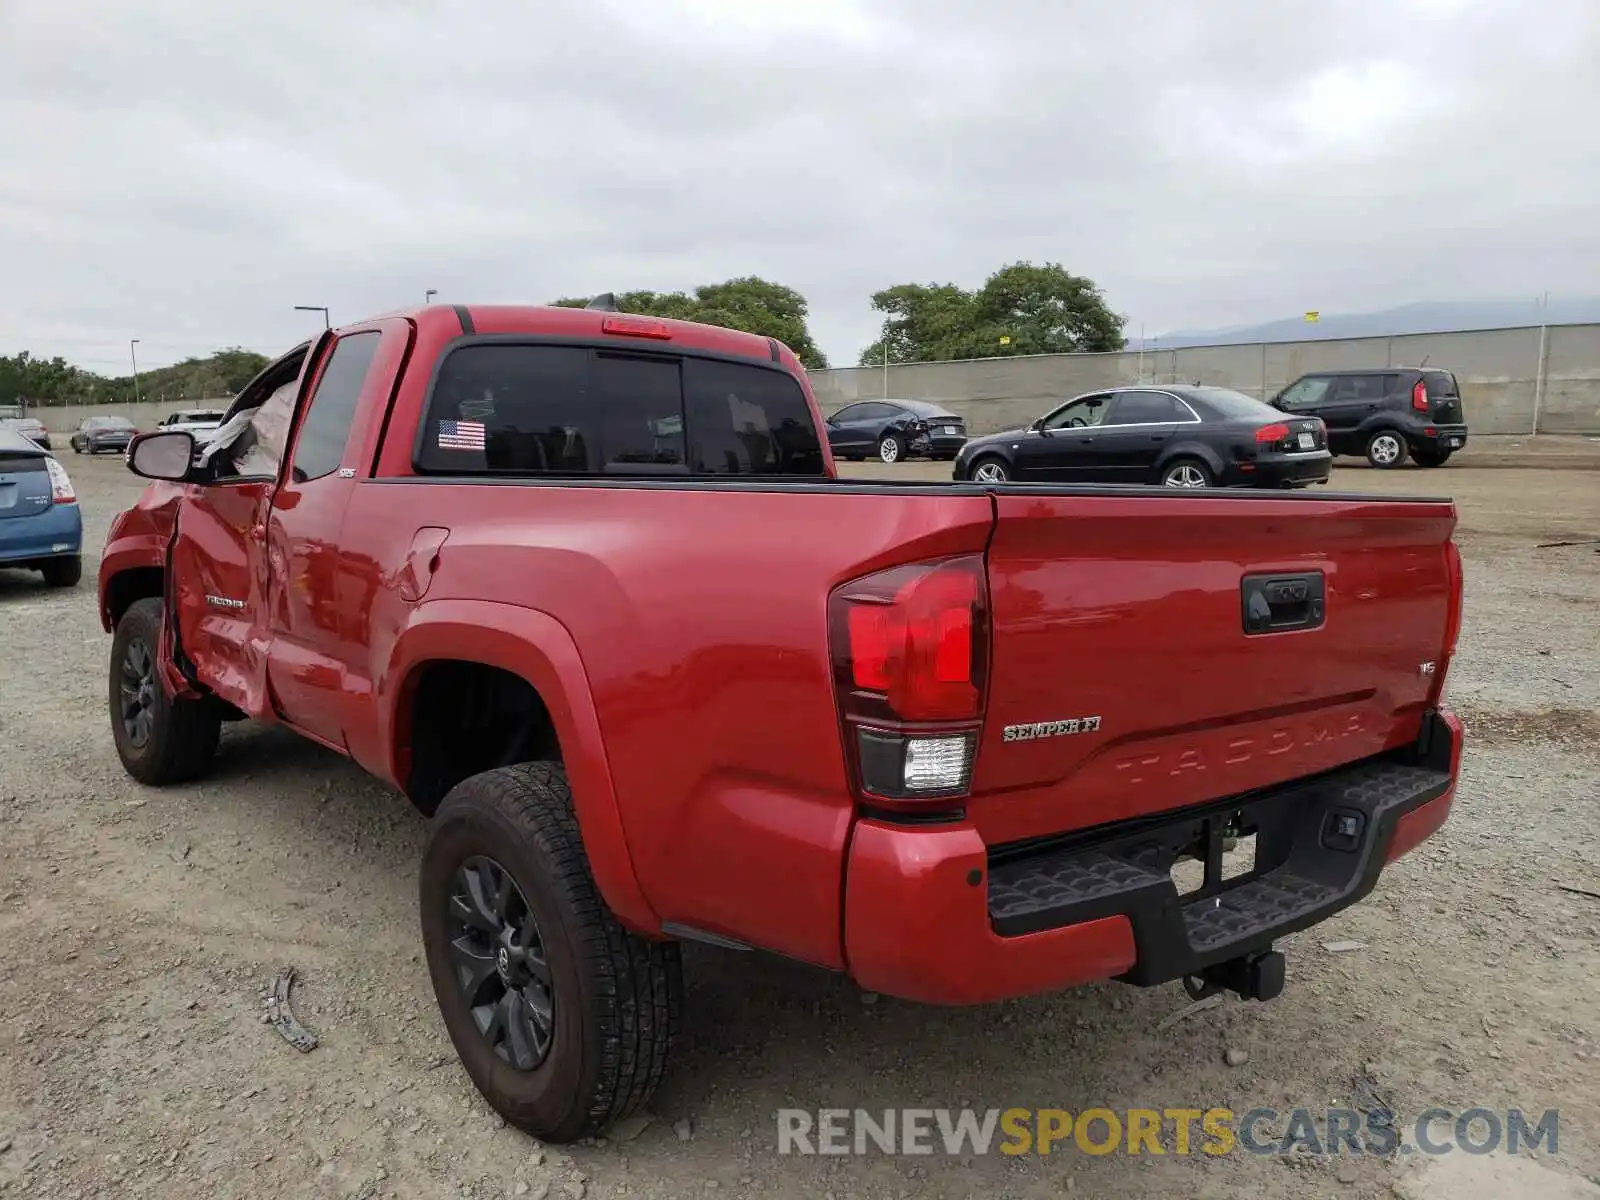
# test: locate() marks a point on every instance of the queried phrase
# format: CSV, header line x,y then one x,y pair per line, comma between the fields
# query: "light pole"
x,y
134,359
326,324
427,296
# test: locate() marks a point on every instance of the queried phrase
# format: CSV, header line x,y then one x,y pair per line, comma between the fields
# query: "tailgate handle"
x,y
1277,603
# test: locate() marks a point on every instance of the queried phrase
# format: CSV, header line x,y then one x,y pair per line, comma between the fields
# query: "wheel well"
x,y
128,587
468,717
1210,462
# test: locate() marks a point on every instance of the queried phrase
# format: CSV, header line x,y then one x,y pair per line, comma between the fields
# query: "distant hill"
x,y
1422,317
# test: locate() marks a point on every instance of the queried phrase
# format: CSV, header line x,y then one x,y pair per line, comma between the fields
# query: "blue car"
x,y
41,528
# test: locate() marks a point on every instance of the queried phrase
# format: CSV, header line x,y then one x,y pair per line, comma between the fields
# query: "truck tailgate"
x,y
1123,681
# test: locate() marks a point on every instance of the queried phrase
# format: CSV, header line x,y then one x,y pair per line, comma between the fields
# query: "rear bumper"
x,y
934,915
1439,437
1281,470
939,444
50,534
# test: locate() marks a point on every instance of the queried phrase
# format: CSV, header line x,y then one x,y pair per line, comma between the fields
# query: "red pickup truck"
x,y
585,587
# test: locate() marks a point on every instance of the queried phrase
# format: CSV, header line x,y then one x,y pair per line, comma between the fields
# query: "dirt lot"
x,y
138,927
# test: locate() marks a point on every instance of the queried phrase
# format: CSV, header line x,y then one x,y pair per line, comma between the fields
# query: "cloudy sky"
x,y
187,172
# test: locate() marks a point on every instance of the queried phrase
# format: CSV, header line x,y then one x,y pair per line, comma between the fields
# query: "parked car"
x,y
30,428
1188,437
1385,414
198,421
659,676
103,433
891,430
41,527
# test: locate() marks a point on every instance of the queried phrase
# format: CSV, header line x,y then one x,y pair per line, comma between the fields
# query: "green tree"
x,y
1037,309
750,304
46,382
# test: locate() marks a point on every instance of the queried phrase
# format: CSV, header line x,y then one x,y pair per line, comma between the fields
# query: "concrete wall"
x,y
1498,369
67,417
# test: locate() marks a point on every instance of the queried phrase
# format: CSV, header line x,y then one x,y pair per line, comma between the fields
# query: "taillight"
x,y
1452,624
1419,396
635,327
1272,433
60,486
910,658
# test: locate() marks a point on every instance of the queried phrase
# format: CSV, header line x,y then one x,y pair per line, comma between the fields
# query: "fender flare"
x,y
142,551
536,647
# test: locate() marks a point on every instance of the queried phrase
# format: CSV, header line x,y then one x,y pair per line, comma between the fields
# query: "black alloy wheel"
x,y
137,690
498,959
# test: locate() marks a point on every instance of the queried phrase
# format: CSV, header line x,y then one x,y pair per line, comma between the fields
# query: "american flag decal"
x,y
461,435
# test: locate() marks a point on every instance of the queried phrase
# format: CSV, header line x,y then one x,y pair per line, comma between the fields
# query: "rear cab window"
x,y
520,409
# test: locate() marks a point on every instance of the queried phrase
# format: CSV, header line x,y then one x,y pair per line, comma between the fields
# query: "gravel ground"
x,y
138,928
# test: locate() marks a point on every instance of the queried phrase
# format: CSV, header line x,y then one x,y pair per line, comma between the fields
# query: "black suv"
x,y
1384,413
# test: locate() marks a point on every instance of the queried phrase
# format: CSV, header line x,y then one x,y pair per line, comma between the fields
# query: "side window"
x,y
510,408
1091,410
1359,387
747,420
850,412
1144,408
326,426
1305,392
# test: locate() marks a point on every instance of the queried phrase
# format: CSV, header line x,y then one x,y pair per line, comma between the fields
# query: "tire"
x,y
613,1000
1186,473
891,449
62,572
179,738
1432,458
1386,450
989,469
76,447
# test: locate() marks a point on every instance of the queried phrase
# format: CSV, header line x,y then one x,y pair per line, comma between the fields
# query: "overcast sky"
x,y
187,172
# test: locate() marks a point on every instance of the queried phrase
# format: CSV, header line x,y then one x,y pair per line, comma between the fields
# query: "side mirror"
x,y
165,454
830,419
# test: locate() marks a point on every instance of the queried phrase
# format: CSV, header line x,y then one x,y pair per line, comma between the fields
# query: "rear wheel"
x,y
1386,449
562,1018
891,449
1431,458
990,470
159,738
1186,473
62,572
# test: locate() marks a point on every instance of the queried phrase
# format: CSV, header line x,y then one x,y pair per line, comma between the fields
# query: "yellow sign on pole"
x,y
1005,339
1313,316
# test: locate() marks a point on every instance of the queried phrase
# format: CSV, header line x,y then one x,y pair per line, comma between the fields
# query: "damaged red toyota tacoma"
x,y
586,588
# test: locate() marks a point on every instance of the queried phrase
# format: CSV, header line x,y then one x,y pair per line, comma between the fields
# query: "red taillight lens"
x,y
1452,625
910,658
1419,396
911,639
1272,433
60,485
635,327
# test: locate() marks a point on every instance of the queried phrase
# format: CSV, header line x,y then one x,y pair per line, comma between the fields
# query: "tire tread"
x,y
185,748
638,983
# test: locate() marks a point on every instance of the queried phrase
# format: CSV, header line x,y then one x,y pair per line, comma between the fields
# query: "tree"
x,y
749,303
46,382
1039,309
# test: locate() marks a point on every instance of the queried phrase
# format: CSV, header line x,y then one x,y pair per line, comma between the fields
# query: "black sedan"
x,y
102,433
1188,437
891,430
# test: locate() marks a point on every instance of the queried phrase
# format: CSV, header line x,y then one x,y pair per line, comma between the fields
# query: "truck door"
x,y
216,565
318,609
